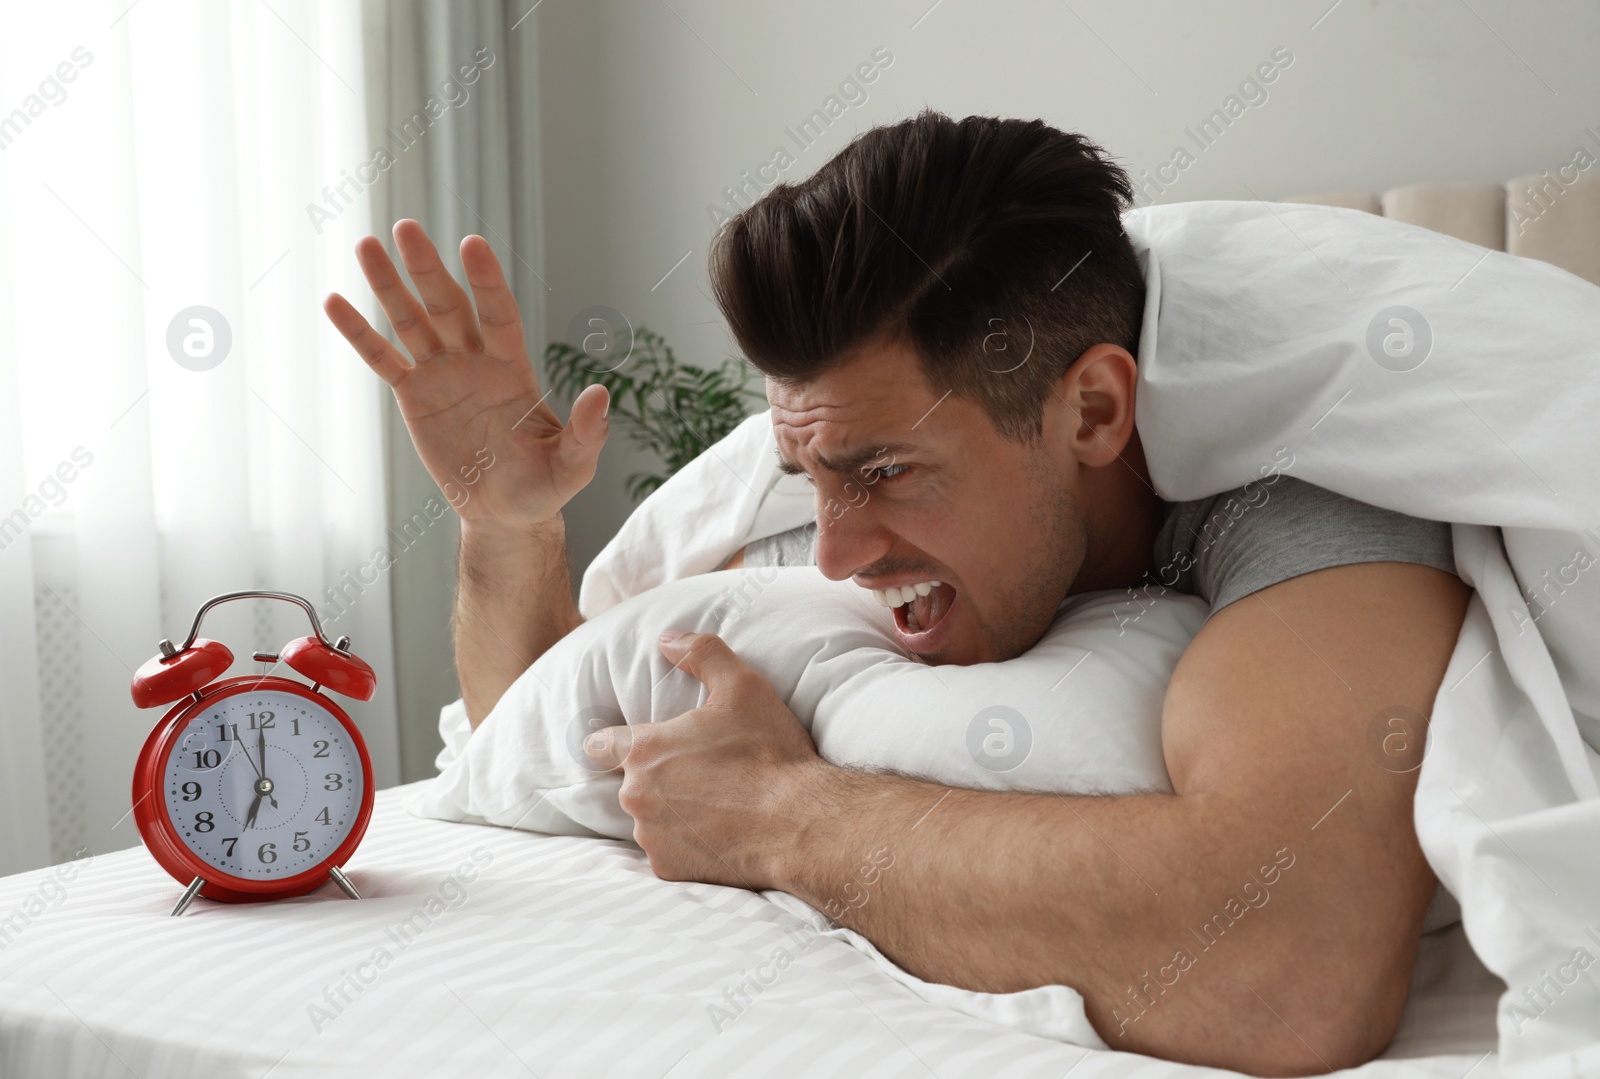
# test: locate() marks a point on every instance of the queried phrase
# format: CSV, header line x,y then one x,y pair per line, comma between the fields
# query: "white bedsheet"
x,y
561,957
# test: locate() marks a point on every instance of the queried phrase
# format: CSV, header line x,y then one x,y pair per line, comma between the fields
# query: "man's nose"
x,y
849,537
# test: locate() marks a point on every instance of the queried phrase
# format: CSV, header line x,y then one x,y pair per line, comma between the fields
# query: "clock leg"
x,y
188,894
343,882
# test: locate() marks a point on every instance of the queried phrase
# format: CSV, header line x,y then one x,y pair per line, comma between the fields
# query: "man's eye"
x,y
887,472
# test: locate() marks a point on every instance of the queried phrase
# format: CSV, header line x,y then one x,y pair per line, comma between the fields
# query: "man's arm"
x,y
513,601
1264,917
498,452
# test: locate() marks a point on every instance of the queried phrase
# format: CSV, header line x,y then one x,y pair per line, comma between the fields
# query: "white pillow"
x,y
1078,713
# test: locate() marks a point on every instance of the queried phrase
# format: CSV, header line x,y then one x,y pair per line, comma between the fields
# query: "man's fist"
x,y
706,789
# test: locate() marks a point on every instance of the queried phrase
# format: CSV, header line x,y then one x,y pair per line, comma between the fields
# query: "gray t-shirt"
x,y
1225,547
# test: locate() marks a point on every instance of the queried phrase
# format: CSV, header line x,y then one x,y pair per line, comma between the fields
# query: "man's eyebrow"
x,y
850,461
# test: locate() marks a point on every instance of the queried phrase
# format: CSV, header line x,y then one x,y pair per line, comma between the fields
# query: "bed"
x,y
512,954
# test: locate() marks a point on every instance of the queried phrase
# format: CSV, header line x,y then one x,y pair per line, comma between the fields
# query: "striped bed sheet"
x,y
487,952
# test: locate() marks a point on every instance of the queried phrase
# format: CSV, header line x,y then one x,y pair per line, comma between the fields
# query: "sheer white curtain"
x,y
157,158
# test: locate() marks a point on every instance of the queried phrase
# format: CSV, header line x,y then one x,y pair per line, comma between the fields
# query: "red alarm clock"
x,y
255,787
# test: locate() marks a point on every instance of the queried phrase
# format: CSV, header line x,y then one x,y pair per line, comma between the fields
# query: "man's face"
x,y
913,489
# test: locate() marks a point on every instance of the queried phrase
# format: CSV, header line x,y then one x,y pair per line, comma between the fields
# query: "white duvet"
x,y
1427,375
1412,371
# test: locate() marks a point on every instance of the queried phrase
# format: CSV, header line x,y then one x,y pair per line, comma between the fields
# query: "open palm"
x,y
470,396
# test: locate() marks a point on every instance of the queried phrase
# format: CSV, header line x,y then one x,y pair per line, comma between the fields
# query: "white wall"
x,y
648,111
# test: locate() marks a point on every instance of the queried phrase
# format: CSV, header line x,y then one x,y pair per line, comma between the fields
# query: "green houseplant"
x,y
675,410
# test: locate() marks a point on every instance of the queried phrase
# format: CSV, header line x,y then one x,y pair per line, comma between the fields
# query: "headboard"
x,y
1552,215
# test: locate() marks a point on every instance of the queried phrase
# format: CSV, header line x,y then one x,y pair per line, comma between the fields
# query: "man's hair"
x,y
977,242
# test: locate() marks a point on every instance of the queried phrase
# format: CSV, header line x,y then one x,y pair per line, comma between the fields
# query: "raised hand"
x,y
469,394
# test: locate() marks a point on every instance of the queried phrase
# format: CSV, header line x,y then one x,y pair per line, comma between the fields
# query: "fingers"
x,y
707,657
405,312
446,302
585,434
608,747
498,317
371,345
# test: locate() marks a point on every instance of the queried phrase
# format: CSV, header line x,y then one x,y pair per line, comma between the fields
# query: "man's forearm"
x,y
513,601
975,889
1118,897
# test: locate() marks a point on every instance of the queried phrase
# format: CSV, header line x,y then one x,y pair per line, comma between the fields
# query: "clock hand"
x,y
263,785
261,755
240,743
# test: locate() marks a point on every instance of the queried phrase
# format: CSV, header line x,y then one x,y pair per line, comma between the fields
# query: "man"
x,y
948,316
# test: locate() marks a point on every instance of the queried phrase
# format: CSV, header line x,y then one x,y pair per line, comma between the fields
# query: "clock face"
x,y
263,785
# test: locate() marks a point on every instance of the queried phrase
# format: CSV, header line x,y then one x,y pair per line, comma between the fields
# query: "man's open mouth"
x,y
919,606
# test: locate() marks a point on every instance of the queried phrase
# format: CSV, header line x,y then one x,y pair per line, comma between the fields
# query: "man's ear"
x,y
1090,409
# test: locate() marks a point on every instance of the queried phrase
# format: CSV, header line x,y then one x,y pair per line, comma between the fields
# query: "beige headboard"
x,y
1552,215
